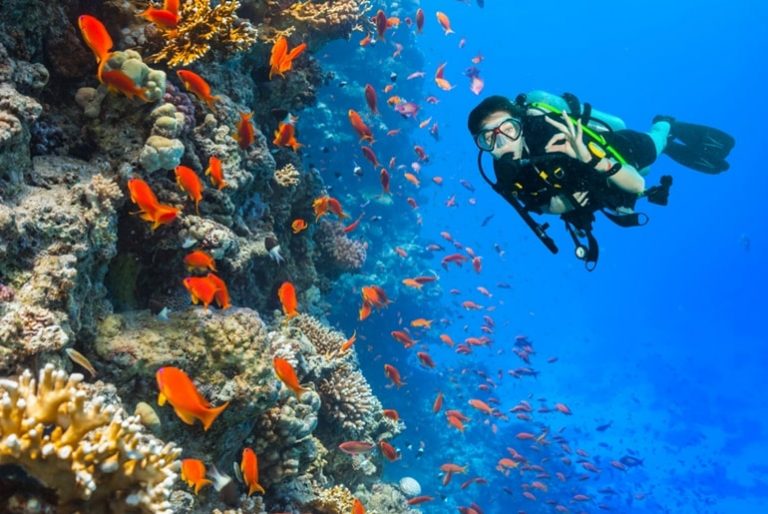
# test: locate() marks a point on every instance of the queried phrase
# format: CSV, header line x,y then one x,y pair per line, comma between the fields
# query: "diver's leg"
x,y
659,133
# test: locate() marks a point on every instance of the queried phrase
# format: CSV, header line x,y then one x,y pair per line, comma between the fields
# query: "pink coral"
x,y
337,250
6,293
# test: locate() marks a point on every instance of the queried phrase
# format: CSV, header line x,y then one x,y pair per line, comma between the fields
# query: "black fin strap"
x,y
634,219
586,115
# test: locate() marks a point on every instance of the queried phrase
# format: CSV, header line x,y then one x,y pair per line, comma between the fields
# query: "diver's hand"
x,y
570,140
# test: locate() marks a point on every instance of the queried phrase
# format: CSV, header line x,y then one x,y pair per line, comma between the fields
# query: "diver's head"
x,y
496,127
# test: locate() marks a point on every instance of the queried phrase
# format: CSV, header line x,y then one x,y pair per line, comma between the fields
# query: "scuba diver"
x,y
552,154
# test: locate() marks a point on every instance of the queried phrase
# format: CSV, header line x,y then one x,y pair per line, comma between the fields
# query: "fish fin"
x,y
255,487
161,399
202,483
210,415
185,416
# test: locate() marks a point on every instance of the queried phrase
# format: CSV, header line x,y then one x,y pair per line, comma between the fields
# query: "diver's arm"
x,y
627,178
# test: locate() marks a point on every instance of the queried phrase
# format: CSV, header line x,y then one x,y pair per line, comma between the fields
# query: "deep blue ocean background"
x,y
666,340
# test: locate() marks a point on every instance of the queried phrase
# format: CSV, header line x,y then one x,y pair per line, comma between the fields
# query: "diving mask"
x,y
510,128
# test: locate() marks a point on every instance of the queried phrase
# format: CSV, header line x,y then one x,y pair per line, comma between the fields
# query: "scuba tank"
x,y
568,102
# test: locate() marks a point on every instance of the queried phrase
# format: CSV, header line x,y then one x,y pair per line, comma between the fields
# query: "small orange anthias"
x,y
199,260
193,473
97,38
287,296
190,183
285,136
117,81
177,389
249,468
324,204
280,59
207,289
287,375
216,173
196,85
150,209
244,134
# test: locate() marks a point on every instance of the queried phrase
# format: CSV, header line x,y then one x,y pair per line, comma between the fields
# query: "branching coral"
x,y
287,176
330,16
339,251
326,341
203,28
335,500
94,457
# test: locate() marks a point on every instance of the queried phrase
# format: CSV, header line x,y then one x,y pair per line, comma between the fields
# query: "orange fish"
x,y
410,177
249,468
376,296
298,225
322,205
177,389
244,134
438,403
161,18
370,98
201,289
222,293
388,451
365,311
172,6
193,473
199,260
393,374
116,80
357,507
287,296
481,406
281,60
150,209
366,40
97,38
421,323
346,345
444,22
359,125
391,414
287,375
285,135
352,226
196,85
216,173
190,183
412,283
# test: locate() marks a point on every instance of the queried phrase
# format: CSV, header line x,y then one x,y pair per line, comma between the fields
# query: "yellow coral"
x,y
331,13
336,500
202,28
94,457
287,176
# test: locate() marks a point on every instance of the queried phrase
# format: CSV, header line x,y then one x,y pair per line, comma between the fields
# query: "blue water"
x,y
665,340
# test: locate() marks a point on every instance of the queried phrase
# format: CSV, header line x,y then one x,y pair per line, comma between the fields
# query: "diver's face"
x,y
504,132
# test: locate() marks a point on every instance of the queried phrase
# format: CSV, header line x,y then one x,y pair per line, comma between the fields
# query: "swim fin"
x,y
698,147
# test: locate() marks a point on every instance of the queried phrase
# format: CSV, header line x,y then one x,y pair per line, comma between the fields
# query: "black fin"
x,y
699,147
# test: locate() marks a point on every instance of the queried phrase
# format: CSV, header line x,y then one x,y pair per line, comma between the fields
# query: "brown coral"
x,y
203,28
334,18
337,250
326,341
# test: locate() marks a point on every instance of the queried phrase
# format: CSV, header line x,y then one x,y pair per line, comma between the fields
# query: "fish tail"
x,y
212,101
143,94
255,487
201,483
296,145
210,415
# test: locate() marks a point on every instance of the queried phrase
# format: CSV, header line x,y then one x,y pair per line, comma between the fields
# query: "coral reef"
x,y
205,28
93,456
337,250
287,176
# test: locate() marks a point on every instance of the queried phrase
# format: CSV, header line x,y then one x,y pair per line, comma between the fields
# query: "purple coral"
x,y
183,104
337,249
6,293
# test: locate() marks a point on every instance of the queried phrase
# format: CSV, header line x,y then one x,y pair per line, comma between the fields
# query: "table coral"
x,y
203,28
95,457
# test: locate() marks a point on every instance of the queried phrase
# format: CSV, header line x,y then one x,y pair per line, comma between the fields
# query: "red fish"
x,y
370,98
370,155
359,125
116,80
222,293
177,388
287,296
97,38
193,473
201,289
388,451
285,135
249,468
245,135
281,60
287,375
355,447
380,20
216,173
189,182
196,85
419,20
425,359
384,178
393,374
357,507
161,18
199,260
352,226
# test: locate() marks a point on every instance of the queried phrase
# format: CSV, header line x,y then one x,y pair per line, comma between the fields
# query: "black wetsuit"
x,y
571,174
